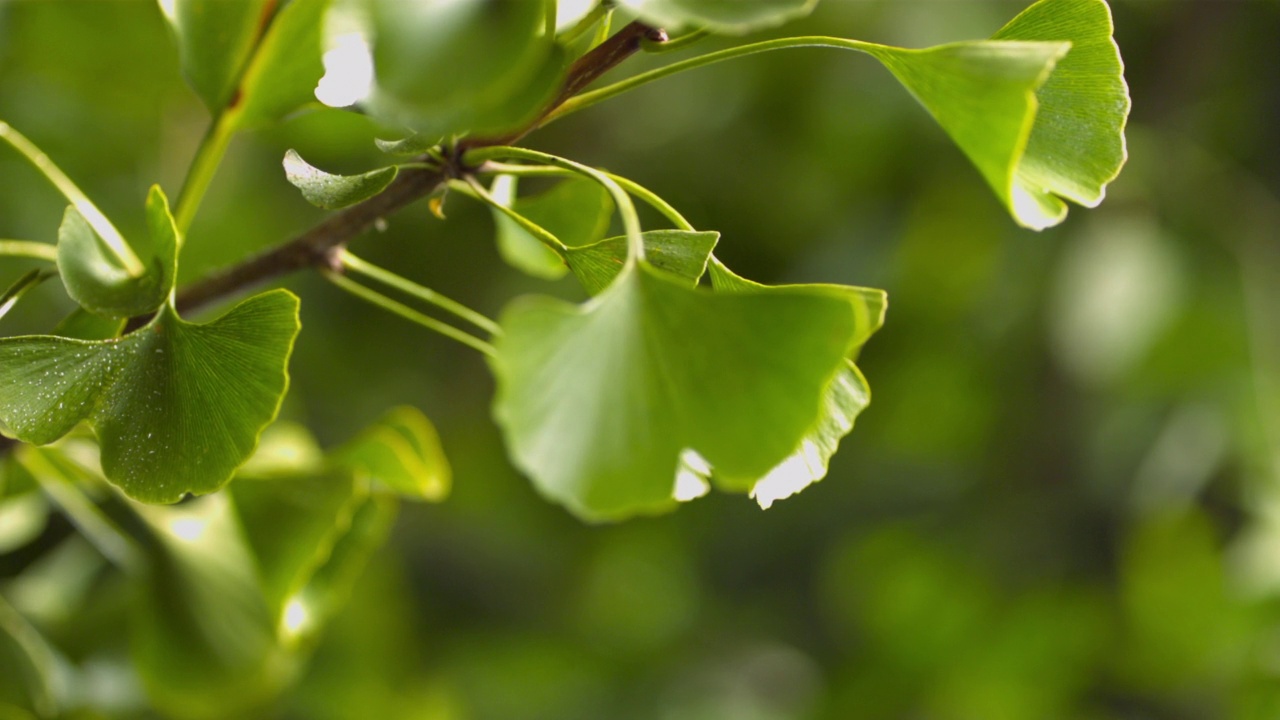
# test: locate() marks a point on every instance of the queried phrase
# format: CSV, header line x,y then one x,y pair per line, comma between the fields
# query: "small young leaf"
x,y
732,17
215,39
681,253
406,147
402,453
517,247
598,402
287,65
846,396
94,276
177,406
335,191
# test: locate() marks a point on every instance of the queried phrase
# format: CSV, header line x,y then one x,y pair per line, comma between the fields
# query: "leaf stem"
x,y
29,249
213,146
107,232
43,661
542,234
408,287
25,284
587,99
626,209
373,297
641,192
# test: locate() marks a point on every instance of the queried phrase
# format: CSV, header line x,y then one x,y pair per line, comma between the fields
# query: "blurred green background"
x,y
1063,502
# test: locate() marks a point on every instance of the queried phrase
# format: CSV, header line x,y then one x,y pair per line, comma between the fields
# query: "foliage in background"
x,y
1031,522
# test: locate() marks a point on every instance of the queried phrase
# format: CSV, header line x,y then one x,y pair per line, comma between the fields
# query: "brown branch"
x,y
316,247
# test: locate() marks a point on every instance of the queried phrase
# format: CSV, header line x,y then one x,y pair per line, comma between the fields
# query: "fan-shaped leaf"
x,y
284,71
94,276
679,252
846,396
597,402
577,211
402,453
331,192
1040,109
177,406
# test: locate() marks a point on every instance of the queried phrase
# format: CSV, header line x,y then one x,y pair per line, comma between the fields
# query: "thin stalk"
x,y
626,209
43,660
29,249
114,241
546,237
427,295
110,540
639,191
375,298
587,99
200,175
678,43
24,285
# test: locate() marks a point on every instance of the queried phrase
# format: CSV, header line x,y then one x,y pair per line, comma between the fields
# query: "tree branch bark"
x,y
316,247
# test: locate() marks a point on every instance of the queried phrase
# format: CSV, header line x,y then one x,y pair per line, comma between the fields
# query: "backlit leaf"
x,y
177,406
577,211
402,453
330,191
597,402
287,65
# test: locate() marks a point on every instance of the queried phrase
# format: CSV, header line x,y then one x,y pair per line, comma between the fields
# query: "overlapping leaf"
x,y
215,39
846,396
576,211
682,253
177,406
1040,109
597,402
445,68
331,191
284,71
97,280
722,16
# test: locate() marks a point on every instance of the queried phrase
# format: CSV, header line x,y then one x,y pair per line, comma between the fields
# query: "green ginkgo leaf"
x,y
330,191
215,39
682,253
94,275
598,402
283,74
401,453
204,638
1034,134
846,397
444,68
177,406
577,211
722,16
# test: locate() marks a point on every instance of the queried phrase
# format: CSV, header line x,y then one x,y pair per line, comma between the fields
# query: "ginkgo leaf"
x,y
177,406
402,453
204,638
577,211
682,253
97,280
215,39
846,396
482,66
722,16
1034,134
1077,144
284,71
330,191
597,402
